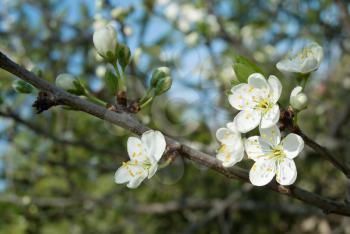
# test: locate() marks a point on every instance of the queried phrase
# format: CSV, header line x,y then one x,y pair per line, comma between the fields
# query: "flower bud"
x,y
158,74
163,85
21,86
37,71
298,100
105,42
124,55
69,83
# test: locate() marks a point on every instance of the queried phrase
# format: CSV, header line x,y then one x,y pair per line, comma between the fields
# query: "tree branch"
x,y
58,140
127,121
326,154
287,122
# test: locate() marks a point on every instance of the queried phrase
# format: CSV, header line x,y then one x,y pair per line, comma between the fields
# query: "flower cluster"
x,y
257,101
144,155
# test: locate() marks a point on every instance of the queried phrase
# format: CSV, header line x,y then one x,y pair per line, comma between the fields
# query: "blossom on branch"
x,y
231,150
144,155
305,61
257,102
273,156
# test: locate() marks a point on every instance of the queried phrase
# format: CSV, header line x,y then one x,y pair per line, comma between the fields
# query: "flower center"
x,y
264,105
277,153
304,53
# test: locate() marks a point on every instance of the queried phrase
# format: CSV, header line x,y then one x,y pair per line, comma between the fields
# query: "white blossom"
x,y
305,61
257,102
231,150
105,40
298,99
144,155
273,156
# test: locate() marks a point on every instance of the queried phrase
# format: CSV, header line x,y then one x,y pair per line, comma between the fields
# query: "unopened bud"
x,y
105,42
158,74
298,100
37,71
21,86
163,85
69,83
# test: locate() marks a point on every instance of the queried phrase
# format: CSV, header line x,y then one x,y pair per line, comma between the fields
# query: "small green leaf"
x,y
111,82
243,68
21,86
242,72
124,55
244,60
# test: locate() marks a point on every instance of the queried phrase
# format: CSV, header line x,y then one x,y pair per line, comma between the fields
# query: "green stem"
x,y
303,79
116,69
295,119
120,77
93,98
164,164
142,105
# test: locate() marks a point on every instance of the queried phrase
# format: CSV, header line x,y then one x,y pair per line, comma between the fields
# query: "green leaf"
x,y
244,60
111,82
243,68
242,72
21,86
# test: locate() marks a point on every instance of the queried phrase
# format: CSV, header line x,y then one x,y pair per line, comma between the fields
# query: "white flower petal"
x,y
308,65
256,148
236,99
232,127
137,180
229,155
258,81
154,143
286,173
134,174
296,91
247,120
152,170
272,135
262,172
275,88
292,145
271,117
286,65
226,136
136,150
122,175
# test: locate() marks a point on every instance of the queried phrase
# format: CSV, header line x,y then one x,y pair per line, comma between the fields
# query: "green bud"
x,y
124,55
158,74
21,86
163,85
37,71
70,83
